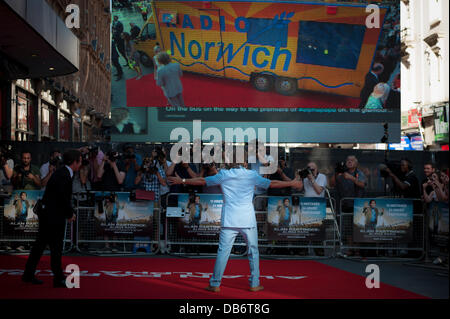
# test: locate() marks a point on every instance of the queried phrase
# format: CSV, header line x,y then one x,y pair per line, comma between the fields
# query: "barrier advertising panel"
x,y
383,220
18,217
294,218
115,214
202,215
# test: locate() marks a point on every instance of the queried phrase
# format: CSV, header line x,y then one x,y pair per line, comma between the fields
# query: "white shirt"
x,y
70,171
321,180
238,187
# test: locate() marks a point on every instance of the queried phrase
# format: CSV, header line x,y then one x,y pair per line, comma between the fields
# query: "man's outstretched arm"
x,y
197,181
282,184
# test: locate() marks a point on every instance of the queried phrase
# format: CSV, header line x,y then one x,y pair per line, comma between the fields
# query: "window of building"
x,y
86,132
25,118
64,127
47,122
76,130
330,44
264,32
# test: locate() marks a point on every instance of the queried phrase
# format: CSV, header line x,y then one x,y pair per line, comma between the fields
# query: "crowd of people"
x,y
126,170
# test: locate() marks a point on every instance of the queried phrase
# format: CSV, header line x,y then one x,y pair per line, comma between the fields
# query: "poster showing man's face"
x,y
286,202
197,199
23,196
372,204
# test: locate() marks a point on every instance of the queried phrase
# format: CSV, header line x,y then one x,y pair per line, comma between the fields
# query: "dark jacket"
x,y
58,197
369,85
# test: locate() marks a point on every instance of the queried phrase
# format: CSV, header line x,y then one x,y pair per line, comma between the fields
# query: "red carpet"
x,y
204,91
173,278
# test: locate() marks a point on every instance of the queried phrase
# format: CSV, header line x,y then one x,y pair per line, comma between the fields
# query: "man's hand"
x,y
311,178
387,170
175,180
51,169
72,219
349,177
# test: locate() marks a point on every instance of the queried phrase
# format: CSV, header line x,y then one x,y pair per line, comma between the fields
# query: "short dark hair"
x,y
372,200
71,156
55,150
21,193
430,163
407,160
25,152
163,58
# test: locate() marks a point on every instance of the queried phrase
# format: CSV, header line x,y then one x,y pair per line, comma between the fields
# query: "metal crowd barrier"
x,y
395,251
297,248
89,240
13,242
175,243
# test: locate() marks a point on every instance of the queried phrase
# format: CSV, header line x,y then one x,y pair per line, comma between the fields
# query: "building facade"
x,y
424,70
62,106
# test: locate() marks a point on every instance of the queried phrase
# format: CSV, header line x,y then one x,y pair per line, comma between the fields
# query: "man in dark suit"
x,y
57,207
372,79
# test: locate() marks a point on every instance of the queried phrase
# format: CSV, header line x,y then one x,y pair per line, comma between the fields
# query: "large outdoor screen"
x,y
315,71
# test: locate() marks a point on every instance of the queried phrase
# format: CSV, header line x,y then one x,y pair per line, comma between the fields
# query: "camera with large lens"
x,y
113,156
148,166
340,168
85,159
304,172
21,170
394,167
5,154
56,161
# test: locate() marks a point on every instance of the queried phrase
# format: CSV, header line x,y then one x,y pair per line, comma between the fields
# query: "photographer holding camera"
x,y
132,162
95,158
47,169
111,172
163,165
150,177
314,183
406,185
26,176
283,173
7,168
350,181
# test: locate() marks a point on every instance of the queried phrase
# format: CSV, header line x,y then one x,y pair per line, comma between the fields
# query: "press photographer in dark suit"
x,y
57,208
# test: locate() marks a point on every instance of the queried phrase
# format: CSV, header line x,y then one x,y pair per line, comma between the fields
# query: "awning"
x,y
34,41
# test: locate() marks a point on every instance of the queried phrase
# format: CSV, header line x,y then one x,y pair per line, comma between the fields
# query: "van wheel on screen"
x,y
262,82
285,86
146,60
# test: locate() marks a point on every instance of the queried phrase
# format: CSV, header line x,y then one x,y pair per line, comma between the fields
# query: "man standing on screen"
x,y
371,214
238,215
285,213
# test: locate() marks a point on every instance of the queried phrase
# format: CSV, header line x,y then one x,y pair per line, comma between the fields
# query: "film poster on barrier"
x,y
438,223
202,216
115,214
296,218
382,220
18,217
